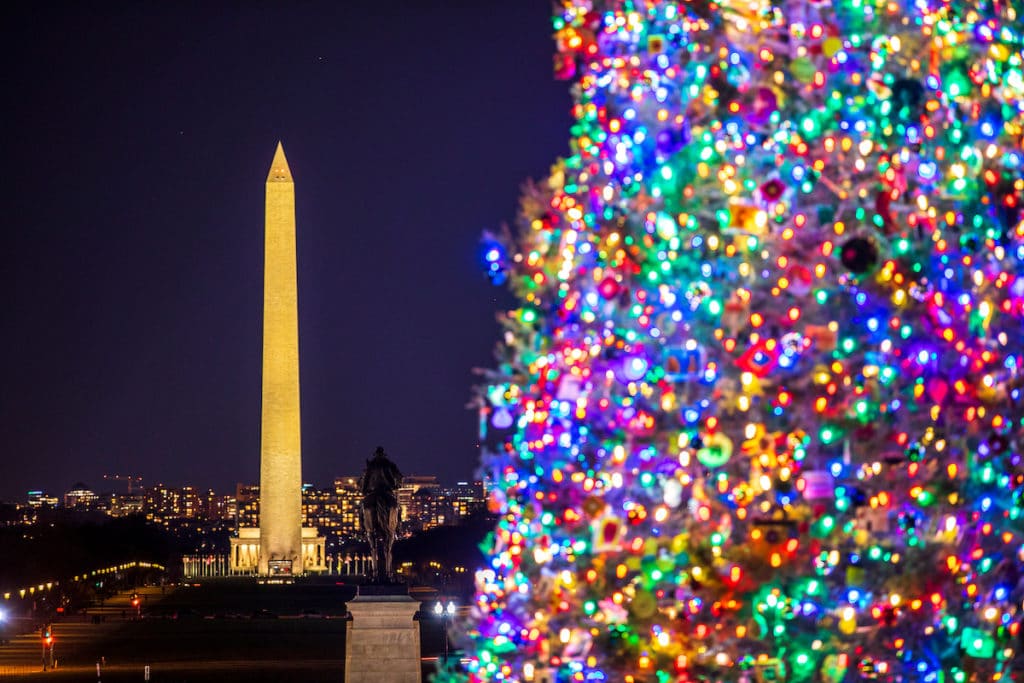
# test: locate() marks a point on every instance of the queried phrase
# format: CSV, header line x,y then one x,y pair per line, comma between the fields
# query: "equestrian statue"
x,y
380,481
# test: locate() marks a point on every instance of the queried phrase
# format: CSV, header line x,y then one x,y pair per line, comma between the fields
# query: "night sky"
x,y
137,141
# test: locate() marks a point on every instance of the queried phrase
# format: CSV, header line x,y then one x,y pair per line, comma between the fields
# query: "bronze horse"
x,y
380,511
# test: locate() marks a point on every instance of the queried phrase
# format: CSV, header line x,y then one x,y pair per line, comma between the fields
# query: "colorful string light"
x,y
760,407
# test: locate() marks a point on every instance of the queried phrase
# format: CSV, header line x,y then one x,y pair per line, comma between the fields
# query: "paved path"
x,y
23,656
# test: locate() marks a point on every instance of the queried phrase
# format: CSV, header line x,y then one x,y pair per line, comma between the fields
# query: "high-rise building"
x,y
350,506
280,545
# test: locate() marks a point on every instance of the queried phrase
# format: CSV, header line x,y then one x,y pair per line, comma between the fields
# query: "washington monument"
x,y
280,441
280,546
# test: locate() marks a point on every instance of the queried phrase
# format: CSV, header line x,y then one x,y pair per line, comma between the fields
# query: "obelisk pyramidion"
x,y
280,549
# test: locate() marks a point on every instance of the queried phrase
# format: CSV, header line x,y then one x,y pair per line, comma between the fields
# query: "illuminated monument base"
x,y
245,554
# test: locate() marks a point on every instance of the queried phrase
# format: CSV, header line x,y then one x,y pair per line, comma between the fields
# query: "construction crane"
x,y
131,479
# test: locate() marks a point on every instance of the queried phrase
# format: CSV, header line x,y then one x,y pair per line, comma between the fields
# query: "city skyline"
x,y
118,485
220,517
132,342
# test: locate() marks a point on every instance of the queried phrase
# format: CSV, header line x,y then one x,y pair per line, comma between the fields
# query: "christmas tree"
x,y
759,413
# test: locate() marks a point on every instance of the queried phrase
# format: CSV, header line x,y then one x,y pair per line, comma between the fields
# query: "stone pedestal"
x,y
382,641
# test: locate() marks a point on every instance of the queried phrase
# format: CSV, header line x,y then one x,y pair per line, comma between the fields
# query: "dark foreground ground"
x,y
221,631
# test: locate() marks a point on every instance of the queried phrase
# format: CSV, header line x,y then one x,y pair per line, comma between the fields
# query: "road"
x,y
75,637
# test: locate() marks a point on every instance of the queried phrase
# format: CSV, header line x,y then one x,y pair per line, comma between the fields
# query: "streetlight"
x,y
446,613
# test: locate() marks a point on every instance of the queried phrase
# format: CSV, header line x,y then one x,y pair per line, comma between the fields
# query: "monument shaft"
x,y
280,440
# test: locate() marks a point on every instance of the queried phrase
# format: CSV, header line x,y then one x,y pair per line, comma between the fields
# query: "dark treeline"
x,y
60,546
449,546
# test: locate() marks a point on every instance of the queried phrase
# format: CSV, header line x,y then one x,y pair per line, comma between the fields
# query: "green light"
x,y
528,315
827,435
977,643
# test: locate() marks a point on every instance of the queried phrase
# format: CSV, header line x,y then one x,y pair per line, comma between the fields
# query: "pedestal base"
x,y
382,641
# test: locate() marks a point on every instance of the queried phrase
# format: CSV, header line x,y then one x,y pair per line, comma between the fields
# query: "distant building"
x,y
124,505
220,508
191,503
433,506
320,509
350,506
411,485
428,508
247,497
160,504
80,497
466,499
39,500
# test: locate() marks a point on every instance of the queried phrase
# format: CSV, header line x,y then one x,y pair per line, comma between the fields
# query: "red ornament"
x,y
609,287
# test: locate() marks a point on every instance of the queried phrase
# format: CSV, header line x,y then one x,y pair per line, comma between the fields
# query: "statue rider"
x,y
379,484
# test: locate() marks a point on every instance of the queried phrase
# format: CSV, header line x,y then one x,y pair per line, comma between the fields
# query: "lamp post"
x,y
446,612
